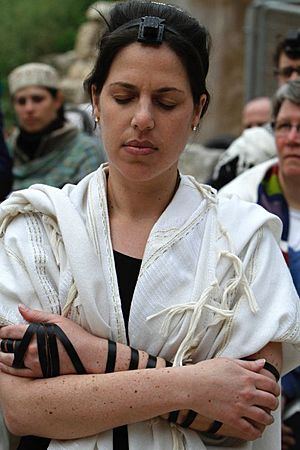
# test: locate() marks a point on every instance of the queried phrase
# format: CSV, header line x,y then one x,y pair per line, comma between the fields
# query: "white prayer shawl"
x,y
212,283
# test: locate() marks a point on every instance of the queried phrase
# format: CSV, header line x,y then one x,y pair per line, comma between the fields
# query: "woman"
x,y
154,261
45,146
275,185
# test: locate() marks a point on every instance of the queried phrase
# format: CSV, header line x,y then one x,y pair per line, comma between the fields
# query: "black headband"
x,y
151,29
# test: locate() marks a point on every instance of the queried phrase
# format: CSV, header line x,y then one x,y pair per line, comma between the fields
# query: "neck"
x,y
291,190
144,200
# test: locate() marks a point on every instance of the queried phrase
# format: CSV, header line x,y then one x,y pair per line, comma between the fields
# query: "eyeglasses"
x,y
284,128
33,98
287,71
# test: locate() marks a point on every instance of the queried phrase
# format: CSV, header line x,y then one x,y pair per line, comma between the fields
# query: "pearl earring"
x,y
194,127
96,119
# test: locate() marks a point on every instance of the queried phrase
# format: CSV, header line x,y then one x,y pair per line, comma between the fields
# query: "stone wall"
x,y
225,20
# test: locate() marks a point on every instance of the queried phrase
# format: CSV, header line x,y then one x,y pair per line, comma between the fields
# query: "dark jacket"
x,y
6,177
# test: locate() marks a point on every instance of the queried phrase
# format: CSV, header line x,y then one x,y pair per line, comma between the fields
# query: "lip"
x,y
137,147
291,155
30,120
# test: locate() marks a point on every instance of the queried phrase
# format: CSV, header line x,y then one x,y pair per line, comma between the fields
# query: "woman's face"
x,y
287,137
36,108
146,112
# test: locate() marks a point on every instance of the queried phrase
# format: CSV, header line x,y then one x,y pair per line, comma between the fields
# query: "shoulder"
x,y
246,184
243,218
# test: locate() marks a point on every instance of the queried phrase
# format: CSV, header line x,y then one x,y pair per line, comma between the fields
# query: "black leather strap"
x,y
134,359
53,351
214,428
268,366
191,416
151,363
111,357
47,335
173,416
41,336
70,350
18,362
7,345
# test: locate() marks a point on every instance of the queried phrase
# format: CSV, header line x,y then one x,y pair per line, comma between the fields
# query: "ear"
x,y
198,110
95,101
59,99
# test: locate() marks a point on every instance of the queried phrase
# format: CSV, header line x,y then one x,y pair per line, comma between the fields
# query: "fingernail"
x,y
21,306
260,361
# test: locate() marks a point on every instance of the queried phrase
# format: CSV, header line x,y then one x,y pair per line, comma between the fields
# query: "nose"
x,y
294,133
143,116
294,75
29,105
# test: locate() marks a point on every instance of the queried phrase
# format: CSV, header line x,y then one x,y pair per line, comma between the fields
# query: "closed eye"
x,y
166,106
123,100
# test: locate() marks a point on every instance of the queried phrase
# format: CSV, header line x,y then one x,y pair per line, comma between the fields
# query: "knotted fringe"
x,y
11,214
177,437
72,295
224,310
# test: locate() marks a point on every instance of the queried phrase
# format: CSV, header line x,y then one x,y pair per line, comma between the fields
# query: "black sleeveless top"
x,y
127,270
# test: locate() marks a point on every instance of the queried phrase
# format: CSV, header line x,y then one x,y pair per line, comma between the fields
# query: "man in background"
x,y
257,112
287,58
45,147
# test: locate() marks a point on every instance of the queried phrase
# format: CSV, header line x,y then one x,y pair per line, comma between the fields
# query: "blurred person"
x,y
6,177
252,147
275,185
144,268
45,147
287,57
257,112
287,67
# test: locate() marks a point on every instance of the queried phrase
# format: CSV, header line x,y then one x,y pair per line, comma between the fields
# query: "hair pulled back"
x,y
191,43
288,91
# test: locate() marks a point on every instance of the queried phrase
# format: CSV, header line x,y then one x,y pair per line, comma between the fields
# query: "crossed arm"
x,y
238,393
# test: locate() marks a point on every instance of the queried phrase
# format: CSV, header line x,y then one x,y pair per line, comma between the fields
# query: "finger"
x,y
255,366
259,416
247,430
267,384
265,400
35,315
6,358
27,373
13,331
257,425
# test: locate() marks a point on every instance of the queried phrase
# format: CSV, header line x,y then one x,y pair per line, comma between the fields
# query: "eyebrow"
x,y
133,88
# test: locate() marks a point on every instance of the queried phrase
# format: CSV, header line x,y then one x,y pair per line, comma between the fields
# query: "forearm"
x,y
70,407
272,353
123,358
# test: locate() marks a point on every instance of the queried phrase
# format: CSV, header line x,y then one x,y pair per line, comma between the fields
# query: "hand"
x,y
86,345
236,394
287,437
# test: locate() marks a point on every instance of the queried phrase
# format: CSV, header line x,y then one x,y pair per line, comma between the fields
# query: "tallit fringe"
x,y
72,295
224,311
177,437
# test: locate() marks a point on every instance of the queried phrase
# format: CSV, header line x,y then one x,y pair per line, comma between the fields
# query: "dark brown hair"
x,y
190,41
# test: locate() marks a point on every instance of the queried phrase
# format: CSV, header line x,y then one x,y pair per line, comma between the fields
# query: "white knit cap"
x,y
32,74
